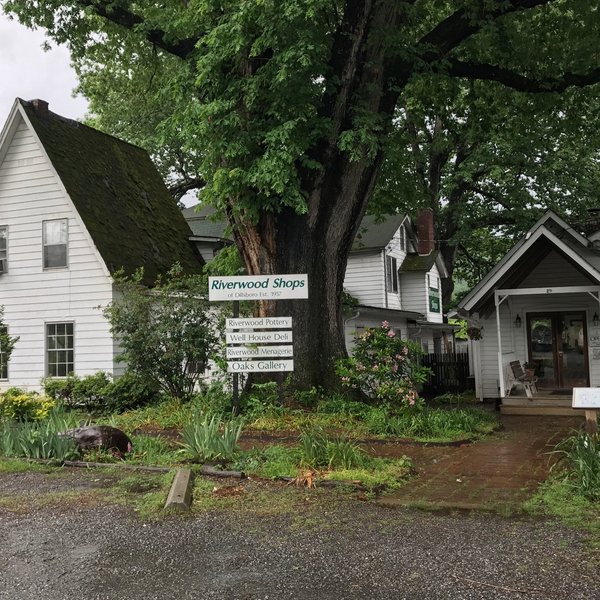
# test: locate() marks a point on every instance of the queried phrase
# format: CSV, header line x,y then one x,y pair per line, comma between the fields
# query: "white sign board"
x,y
586,398
258,337
258,287
259,323
256,366
259,351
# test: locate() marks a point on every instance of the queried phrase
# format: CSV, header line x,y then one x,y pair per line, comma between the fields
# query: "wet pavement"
x,y
498,473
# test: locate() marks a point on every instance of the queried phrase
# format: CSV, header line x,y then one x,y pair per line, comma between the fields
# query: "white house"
x,y
76,205
540,304
393,273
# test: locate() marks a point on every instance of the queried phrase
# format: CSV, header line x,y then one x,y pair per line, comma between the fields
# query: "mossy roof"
x,y
120,196
416,262
203,224
374,232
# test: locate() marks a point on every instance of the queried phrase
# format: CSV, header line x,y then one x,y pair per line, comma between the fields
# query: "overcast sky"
x,y
28,72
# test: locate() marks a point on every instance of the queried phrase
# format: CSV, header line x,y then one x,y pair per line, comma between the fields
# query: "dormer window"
x,y
391,274
3,249
54,242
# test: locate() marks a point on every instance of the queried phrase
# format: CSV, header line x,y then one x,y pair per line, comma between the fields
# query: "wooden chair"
x,y
528,382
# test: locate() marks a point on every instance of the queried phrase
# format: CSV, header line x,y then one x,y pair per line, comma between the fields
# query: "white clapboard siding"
x,y
30,192
514,340
395,249
413,291
554,270
365,278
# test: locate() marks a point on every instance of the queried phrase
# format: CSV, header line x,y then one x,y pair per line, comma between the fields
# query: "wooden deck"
x,y
542,403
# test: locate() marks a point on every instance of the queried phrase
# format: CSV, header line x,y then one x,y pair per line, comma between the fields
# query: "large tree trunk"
x,y
318,243
292,243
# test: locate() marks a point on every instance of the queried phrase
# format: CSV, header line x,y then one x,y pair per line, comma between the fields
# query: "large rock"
x,y
102,437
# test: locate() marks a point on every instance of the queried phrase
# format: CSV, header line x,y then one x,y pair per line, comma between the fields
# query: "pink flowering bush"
x,y
384,366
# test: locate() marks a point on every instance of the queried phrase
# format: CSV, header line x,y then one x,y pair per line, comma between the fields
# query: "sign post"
x,y
588,399
257,344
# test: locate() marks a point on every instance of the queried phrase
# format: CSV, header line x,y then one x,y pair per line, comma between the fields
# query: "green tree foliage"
x,y
166,334
281,109
7,342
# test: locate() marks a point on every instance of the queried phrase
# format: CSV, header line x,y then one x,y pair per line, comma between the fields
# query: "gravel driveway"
x,y
352,550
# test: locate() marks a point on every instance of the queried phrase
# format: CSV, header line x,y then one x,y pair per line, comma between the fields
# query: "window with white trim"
x,y
402,238
392,274
60,349
54,242
3,249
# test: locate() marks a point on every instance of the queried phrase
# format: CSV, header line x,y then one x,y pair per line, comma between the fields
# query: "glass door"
x,y
557,344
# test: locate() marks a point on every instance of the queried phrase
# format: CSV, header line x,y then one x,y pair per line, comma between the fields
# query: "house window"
x,y
54,241
3,249
3,357
59,349
392,274
402,239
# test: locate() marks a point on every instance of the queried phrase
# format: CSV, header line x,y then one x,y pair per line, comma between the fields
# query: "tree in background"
x,y
489,162
283,107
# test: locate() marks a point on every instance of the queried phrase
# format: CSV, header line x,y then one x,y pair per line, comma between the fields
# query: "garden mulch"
x,y
494,474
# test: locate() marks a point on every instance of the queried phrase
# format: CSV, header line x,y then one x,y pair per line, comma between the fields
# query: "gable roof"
x,y
417,262
373,233
119,195
203,224
550,232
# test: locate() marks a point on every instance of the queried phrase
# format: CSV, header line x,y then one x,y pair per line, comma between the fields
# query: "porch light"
x,y
595,320
518,321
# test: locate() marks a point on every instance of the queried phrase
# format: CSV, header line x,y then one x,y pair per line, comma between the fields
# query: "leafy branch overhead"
x,y
285,113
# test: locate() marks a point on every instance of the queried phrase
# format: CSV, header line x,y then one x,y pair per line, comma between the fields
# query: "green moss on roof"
x,y
416,262
374,232
202,222
122,200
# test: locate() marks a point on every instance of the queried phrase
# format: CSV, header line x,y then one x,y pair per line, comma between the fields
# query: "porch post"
x,y
498,302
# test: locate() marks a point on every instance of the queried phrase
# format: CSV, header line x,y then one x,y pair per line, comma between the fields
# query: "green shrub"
x,y
580,454
129,391
87,393
340,405
24,406
384,367
263,400
212,438
98,394
214,399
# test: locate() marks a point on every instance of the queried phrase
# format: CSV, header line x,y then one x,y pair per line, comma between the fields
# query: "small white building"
x,y
76,206
539,305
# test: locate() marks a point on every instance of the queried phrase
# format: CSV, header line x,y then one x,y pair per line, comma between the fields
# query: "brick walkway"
x,y
495,474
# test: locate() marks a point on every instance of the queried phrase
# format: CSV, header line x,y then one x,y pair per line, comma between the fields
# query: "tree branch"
x,y
180,188
520,82
128,19
461,25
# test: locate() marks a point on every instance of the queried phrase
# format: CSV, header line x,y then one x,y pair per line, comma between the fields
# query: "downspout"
x,y
346,321
385,274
